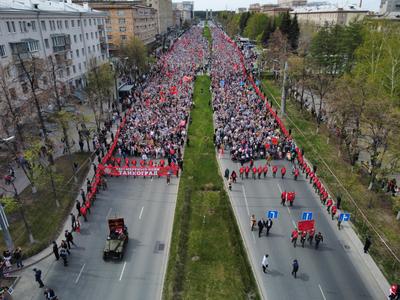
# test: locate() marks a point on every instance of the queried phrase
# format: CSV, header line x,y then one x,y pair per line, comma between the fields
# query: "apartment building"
x,y
126,19
328,15
185,8
165,16
73,35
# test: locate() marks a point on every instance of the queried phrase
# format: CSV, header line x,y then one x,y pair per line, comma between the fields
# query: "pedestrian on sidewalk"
x,y
367,244
84,213
63,255
81,144
94,168
55,250
253,221
268,225
83,196
88,185
78,207
295,268
264,263
260,227
38,277
77,226
64,245
18,257
69,238
72,221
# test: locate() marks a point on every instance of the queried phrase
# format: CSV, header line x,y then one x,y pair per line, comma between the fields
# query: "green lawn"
x,y
319,149
207,258
45,219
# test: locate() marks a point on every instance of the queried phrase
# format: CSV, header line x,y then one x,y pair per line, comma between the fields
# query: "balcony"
x,y
61,42
100,27
24,49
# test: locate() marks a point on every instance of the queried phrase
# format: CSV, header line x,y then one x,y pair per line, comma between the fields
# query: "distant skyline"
x,y
234,4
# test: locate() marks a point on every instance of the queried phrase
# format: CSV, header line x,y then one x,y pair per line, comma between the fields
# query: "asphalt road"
x,y
334,271
148,208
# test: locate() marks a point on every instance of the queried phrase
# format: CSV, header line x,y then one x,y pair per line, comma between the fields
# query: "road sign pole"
x,y
4,227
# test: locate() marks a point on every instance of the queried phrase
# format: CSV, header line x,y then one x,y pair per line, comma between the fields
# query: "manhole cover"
x,y
161,247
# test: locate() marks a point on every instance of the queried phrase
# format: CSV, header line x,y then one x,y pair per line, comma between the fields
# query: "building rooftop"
x,y
324,7
45,6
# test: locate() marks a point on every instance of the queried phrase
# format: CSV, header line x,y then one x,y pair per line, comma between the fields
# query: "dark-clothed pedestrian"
x,y
367,244
81,145
18,257
72,221
295,268
260,227
83,196
318,238
264,263
38,277
268,225
55,250
69,238
63,255
338,201
64,246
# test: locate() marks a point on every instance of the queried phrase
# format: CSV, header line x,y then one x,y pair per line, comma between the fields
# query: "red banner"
x,y
306,225
141,171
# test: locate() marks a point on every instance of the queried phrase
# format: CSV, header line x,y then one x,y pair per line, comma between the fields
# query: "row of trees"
x,y
349,76
260,27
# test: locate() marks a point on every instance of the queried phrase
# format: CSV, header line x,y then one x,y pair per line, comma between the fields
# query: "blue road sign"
x,y
272,214
345,217
306,216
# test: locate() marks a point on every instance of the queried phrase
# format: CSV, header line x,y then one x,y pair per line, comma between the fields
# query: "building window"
x,y
123,37
75,38
83,51
2,50
71,54
79,23
109,37
87,36
122,29
91,35
46,43
98,47
11,27
66,24
120,13
52,25
90,22
96,35
77,52
121,21
88,49
33,46
84,22
72,23
68,72
80,67
59,24
94,48
73,69
43,24
108,21
33,25
80,37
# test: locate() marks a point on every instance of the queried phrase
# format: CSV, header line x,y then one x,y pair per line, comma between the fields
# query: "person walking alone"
x,y
72,221
295,268
18,257
260,227
38,277
55,250
268,225
367,244
264,263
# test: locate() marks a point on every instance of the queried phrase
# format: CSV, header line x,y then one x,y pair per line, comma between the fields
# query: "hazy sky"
x,y
234,4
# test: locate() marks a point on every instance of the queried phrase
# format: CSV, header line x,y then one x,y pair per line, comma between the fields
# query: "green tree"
x,y
134,55
285,23
294,33
255,26
244,18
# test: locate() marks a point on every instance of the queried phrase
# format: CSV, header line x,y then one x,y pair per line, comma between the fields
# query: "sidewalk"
x,y
45,259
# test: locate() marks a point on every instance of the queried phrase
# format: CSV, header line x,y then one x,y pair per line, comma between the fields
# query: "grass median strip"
x,y
207,258
380,214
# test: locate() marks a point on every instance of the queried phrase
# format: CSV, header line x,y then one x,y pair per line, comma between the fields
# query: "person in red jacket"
x,y
308,170
134,163
329,204
290,196
296,173
274,170
254,174
294,236
311,176
283,172
260,169
333,211
83,212
241,171
247,171
324,197
283,198
265,170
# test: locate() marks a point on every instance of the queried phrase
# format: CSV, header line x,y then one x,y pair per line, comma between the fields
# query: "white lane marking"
x,y
280,189
122,272
109,212
322,292
141,212
245,199
80,273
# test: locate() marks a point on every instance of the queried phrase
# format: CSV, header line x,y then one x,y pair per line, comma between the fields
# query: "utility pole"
x,y
284,91
4,227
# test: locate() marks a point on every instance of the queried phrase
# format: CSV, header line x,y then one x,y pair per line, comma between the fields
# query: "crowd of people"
x,y
243,124
156,123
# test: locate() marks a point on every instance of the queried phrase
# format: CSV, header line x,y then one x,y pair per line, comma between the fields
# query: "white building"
x,y
164,14
186,9
329,15
72,34
388,7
